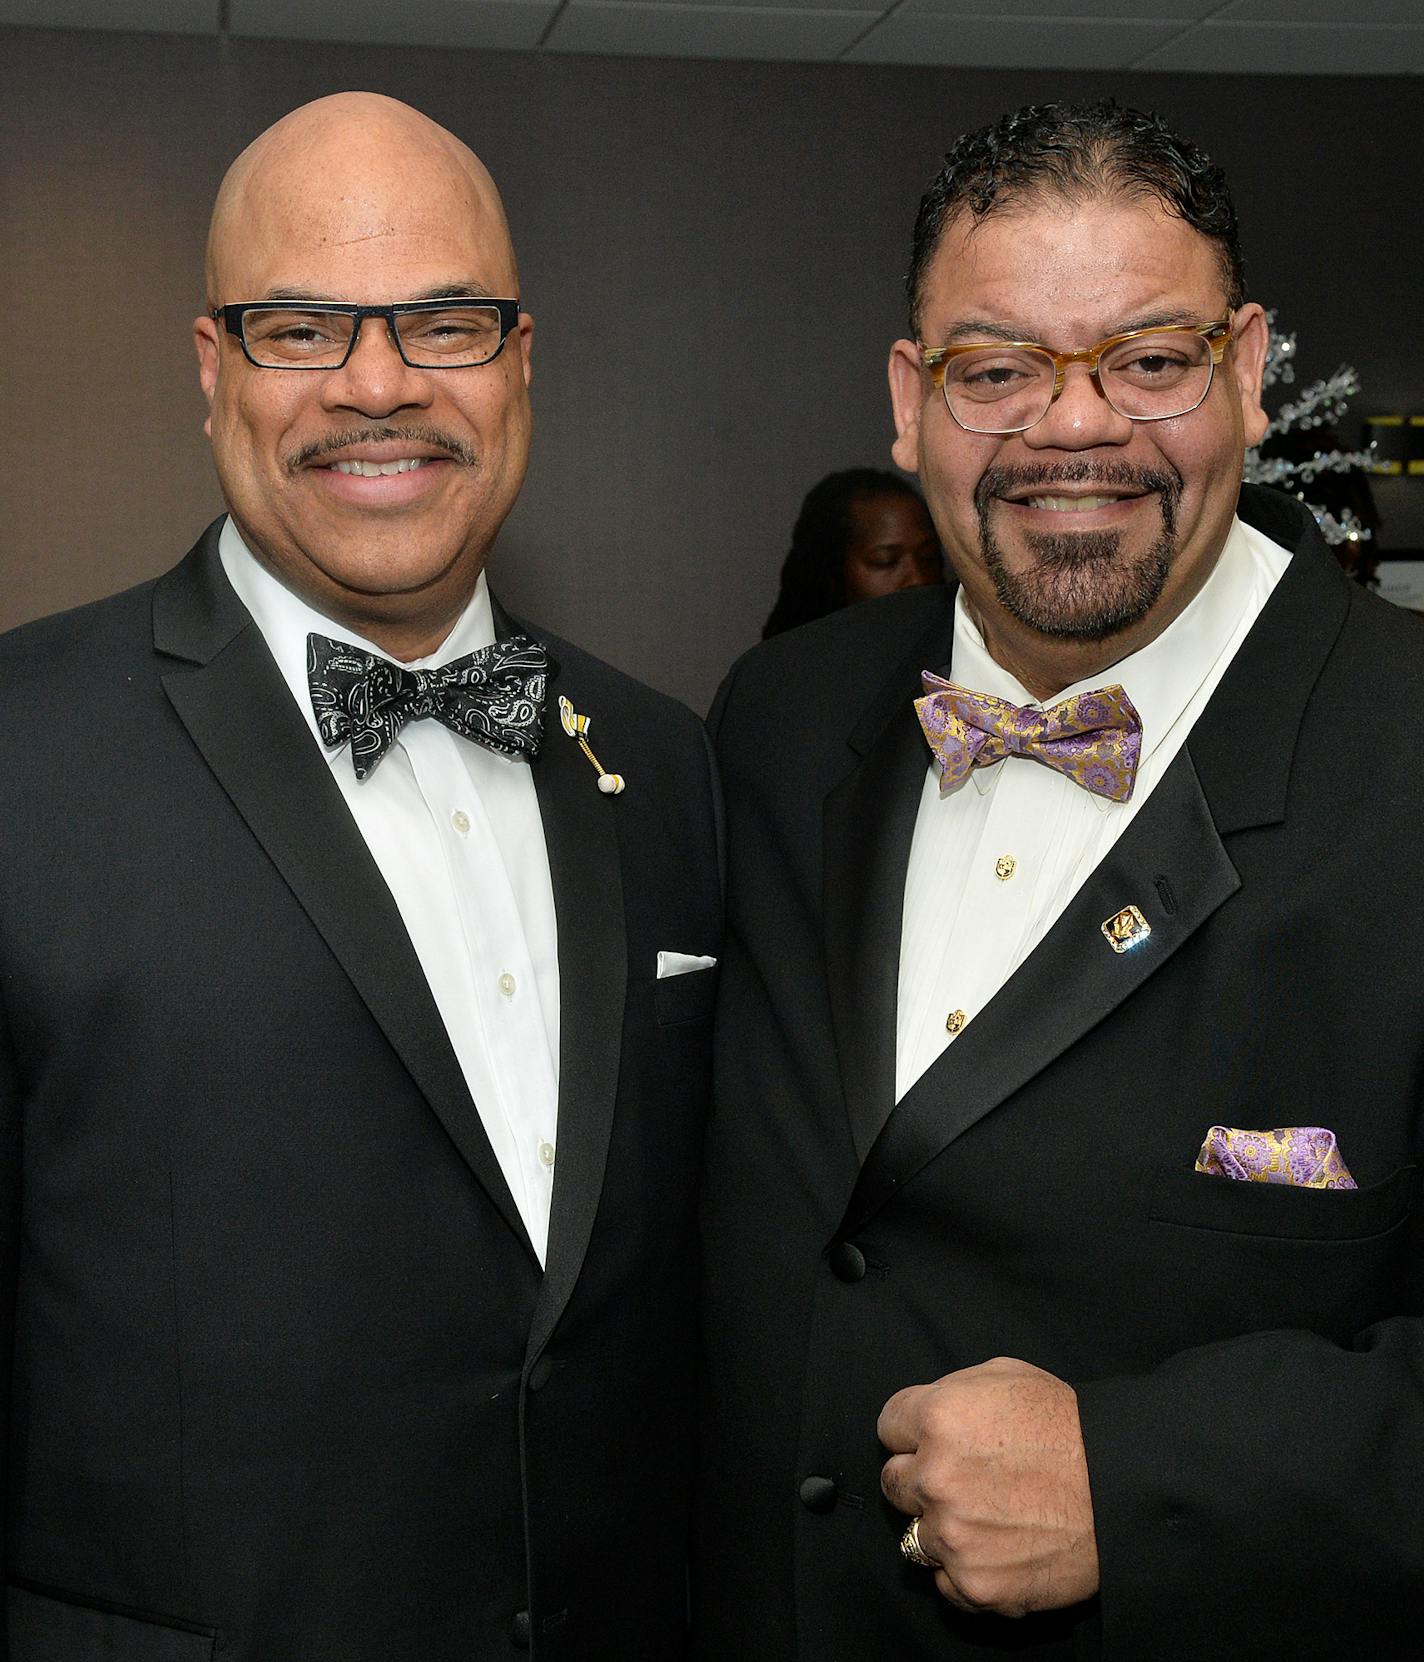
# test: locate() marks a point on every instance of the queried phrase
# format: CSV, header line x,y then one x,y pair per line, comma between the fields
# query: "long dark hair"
x,y
813,572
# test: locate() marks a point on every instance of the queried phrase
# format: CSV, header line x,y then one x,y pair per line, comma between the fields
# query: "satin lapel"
x,y
1171,865
868,822
239,714
581,837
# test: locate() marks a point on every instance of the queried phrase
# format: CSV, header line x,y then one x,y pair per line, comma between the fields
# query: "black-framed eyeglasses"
x,y
1145,374
428,334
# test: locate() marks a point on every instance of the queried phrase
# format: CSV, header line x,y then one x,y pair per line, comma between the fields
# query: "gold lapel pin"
x,y
577,726
1126,929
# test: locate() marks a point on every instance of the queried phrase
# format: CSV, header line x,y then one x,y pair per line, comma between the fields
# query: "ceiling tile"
x,y
1283,49
504,24
873,6
1104,11
1346,12
1011,43
1315,37
160,17
645,28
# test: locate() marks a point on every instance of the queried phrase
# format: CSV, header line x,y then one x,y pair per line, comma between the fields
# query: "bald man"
x,y
353,1017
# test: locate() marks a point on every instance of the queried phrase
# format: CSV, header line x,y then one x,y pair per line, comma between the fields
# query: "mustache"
x,y
999,481
417,433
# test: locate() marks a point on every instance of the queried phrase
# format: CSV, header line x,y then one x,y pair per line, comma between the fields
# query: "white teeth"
x,y
378,470
1070,504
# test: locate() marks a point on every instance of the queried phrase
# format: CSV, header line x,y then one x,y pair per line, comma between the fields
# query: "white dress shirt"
x,y
456,833
996,860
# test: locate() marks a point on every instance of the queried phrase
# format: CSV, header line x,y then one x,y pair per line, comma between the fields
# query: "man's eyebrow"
x,y
442,291
977,329
972,329
455,291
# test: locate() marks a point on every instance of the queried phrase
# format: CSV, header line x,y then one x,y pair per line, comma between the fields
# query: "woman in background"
x,y
861,533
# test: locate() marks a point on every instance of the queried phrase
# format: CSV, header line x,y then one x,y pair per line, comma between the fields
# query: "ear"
x,y
208,343
907,402
525,330
1248,364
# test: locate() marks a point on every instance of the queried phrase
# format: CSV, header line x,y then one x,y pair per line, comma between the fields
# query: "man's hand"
x,y
991,1459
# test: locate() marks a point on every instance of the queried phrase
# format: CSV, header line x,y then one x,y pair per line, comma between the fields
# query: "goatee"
x,y
1081,585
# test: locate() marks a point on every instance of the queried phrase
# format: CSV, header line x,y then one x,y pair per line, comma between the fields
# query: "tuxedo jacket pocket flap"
x,y
1196,1200
685,997
47,1626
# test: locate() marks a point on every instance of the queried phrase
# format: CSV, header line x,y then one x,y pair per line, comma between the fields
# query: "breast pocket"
x,y
1194,1200
685,997
46,1626
1226,1257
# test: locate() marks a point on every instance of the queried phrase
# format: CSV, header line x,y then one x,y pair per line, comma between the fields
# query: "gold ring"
x,y
910,1546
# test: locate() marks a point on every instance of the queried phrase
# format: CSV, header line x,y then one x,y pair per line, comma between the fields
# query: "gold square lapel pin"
x,y
1126,929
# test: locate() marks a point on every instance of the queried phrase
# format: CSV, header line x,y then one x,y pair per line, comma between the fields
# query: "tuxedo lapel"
x,y
868,822
1171,863
231,698
581,838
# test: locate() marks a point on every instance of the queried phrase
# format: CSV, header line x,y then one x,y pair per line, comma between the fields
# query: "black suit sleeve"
x,y
1268,1461
719,705
10,1151
719,819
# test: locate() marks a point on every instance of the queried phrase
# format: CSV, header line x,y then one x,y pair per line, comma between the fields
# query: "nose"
x,y
1079,418
375,379
920,572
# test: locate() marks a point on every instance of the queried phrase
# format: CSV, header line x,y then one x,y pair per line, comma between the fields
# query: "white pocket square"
x,y
681,963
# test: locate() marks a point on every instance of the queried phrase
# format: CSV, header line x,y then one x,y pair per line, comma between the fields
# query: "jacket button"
x,y
540,1374
818,1494
847,1261
519,1631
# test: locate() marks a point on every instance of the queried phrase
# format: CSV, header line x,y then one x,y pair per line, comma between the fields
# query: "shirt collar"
x,y
286,620
1160,678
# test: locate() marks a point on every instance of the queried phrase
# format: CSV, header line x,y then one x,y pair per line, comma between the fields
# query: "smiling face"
x,y
890,545
1080,539
374,491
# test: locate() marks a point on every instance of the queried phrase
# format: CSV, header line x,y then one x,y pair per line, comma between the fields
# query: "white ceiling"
x,y
1286,37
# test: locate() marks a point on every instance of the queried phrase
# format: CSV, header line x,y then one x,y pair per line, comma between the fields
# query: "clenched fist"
x,y
991,1460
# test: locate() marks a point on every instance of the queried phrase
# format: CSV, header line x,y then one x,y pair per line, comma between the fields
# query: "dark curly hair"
x,y
1077,151
813,572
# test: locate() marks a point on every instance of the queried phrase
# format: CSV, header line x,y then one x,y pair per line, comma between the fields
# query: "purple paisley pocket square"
x,y
1305,1156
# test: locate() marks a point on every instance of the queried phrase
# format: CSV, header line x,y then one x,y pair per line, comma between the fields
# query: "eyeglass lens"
x,y
1006,389
457,336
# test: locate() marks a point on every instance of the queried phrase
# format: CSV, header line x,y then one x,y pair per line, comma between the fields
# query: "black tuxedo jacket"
x,y
1248,1358
288,1384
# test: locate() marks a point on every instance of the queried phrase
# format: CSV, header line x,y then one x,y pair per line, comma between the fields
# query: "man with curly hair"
x,y
1063,1275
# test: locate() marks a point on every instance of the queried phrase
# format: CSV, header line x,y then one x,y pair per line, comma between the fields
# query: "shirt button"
x,y
461,821
506,984
954,1023
1005,867
546,1153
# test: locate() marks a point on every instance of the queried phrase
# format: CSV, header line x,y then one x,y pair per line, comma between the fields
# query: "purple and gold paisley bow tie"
x,y
1094,738
494,697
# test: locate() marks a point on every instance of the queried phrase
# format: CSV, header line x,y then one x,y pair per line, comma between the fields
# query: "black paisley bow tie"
x,y
494,697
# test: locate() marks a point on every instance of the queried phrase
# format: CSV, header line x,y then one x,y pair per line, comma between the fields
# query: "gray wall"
x,y
712,252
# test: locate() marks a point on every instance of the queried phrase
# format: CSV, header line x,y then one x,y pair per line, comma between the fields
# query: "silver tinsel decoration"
x,y
1321,404
1280,355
